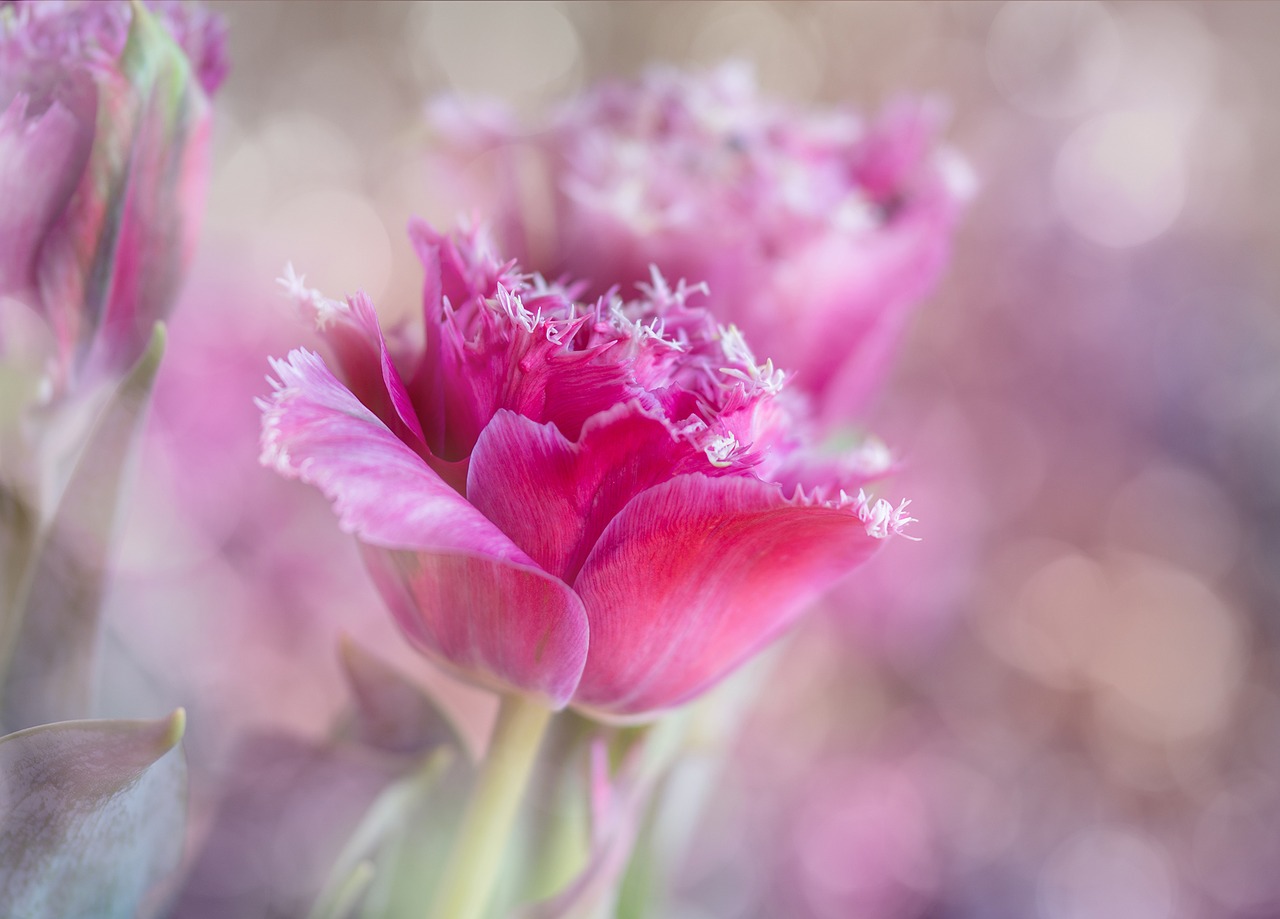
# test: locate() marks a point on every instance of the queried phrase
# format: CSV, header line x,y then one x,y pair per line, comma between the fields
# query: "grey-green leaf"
x,y
53,640
91,818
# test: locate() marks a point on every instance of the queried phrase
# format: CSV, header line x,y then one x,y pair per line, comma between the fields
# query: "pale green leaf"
x,y
91,817
53,634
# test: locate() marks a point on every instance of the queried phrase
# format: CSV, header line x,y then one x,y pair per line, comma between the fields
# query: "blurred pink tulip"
x,y
103,135
605,504
815,232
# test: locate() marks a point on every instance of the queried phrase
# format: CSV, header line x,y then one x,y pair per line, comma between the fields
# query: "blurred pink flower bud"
x,y
816,232
605,504
103,136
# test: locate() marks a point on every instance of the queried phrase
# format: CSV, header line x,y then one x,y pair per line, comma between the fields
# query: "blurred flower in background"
x,y
103,165
815,232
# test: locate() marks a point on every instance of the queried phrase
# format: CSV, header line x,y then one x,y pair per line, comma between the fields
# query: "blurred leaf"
x,y
52,642
381,827
392,712
17,535
618,791
91,817
344,902
680,756
288,807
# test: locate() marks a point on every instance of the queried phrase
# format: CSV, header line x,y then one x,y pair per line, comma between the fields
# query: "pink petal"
x,y
697,574
476,362
859,296
502,625
316,430
41,159
116,256
554,497
460,588
365,362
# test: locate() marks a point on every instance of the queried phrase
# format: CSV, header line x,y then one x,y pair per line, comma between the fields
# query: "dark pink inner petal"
x,y
554,497
361,352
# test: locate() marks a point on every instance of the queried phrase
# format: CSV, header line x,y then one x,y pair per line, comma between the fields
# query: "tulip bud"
x,y
104,128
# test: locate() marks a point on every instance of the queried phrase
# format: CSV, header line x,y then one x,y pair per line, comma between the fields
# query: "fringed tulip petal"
x,y
696,575
315,430
360,350
516,350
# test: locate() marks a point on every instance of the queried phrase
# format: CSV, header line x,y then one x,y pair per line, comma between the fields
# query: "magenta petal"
x,y
554,497
112,263
697,574
40,161
461,589
502,625
315,430
365,362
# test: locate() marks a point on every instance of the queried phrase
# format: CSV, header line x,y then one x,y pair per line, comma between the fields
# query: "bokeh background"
x,y
1065,701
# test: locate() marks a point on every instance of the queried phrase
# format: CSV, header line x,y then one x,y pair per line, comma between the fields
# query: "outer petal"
x,y
697,574
40,161
502,625
314,429
554,497
461,589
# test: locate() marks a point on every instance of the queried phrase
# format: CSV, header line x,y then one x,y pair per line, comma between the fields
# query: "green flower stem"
x,y
468,880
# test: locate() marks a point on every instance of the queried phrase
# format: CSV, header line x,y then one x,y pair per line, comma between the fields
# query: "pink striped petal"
x,y
40,161
355,337
316,430
498,624
461,589
697,574
554,497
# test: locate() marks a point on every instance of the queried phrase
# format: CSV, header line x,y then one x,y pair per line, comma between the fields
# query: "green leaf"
x,y
617,799
17,535
52,636
91,817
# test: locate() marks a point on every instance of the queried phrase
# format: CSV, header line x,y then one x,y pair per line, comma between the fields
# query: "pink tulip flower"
x,y
606,504
816,232
103,136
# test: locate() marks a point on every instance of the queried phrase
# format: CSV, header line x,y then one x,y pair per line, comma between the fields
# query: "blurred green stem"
x,y
17,547
468,880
